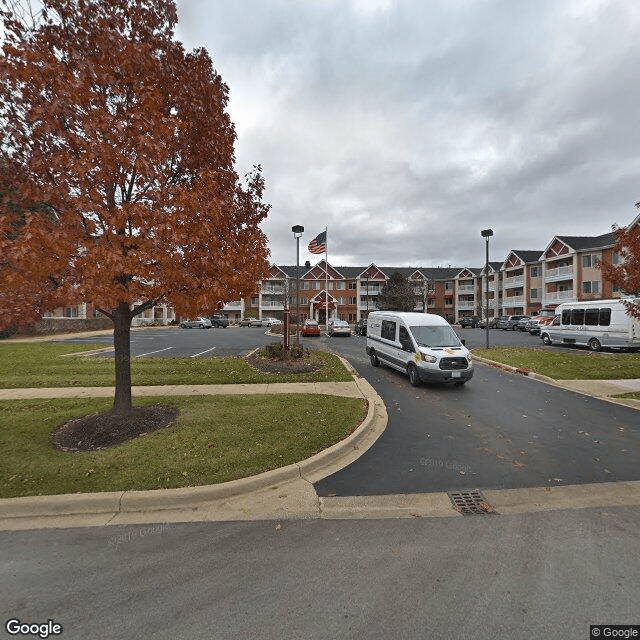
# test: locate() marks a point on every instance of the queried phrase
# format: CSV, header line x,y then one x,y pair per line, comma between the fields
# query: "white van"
x,y
596,324
422,345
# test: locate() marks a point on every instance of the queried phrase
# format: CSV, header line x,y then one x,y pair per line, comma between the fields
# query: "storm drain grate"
x,y
470,503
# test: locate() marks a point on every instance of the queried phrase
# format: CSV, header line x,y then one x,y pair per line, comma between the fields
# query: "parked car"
x,y
482,324
255,322
508,322
219,320
244,322
543,319
469,321
522,323
339,328
269,322
361,327
198,323
310,328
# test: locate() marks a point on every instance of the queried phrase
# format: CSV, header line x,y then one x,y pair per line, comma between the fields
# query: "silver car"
x,y
198,323
339,328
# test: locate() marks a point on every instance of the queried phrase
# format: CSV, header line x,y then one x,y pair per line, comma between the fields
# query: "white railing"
x,y
559,273
466,287
513,301
272,305
370,291
558,296
466,306
509,283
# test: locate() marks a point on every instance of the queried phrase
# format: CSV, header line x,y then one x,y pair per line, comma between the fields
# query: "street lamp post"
x,y
486,234
298,230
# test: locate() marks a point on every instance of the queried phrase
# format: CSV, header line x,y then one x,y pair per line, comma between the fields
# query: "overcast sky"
x,y
407,126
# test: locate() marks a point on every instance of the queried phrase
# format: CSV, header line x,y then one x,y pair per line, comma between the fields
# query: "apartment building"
x,y
523,283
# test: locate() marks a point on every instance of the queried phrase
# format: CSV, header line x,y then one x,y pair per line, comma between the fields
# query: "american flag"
x,y
319,243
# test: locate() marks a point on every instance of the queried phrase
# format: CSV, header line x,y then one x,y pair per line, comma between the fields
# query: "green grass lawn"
x,y
39,365
215,439
582,365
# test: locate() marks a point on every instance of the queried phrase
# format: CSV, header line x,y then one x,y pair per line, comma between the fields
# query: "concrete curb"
x,y
111,504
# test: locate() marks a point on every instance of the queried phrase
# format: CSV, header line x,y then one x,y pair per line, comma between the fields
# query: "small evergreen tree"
x,y
397,294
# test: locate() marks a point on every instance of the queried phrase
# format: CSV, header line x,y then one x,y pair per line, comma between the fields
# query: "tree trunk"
x,y
122,344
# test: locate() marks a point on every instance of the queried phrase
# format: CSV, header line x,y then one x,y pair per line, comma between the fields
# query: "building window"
x,y
448,286
591,286
305,286
71,312
316,285
535,294
535,272
353,300
616,258
255,302
353,284
340,286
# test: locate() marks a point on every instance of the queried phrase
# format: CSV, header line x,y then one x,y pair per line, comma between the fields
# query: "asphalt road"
x,y
499,431
534,575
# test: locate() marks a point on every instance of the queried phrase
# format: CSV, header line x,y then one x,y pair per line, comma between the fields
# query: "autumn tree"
x,y
626,274
397,294
119,185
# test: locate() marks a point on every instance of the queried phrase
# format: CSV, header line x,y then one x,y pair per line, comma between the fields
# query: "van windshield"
x,y
427,336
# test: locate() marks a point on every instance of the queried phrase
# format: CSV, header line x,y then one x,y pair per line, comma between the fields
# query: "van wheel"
x,y
374,359
414,378
594,344
546,339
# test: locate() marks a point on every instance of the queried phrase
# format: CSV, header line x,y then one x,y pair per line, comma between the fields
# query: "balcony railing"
x,y
370,291
558,296
513,301
559,273
509,283
274,306
232,306
465,306
466,287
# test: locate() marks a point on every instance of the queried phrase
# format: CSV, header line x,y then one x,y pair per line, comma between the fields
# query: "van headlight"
x,y
428,358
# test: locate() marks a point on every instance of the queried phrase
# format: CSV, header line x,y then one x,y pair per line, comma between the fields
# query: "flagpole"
x,y
326,279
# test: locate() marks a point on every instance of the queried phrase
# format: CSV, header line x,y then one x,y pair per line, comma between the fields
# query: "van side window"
x,y
577,316
388,330
605,317
591,317
405,339
566,316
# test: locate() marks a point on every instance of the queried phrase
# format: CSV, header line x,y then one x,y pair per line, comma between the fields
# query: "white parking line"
x,y
150,352
199,354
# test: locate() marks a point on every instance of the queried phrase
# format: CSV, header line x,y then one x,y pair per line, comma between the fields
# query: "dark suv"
x,y
219,321
361,327
469,321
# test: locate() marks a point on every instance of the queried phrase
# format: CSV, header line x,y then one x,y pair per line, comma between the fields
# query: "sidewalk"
x,y
288,492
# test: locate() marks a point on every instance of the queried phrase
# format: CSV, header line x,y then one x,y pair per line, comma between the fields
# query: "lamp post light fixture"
x,y
486,234
298,230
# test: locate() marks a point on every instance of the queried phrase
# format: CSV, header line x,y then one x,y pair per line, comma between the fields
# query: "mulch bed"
x,y
104,430
274,365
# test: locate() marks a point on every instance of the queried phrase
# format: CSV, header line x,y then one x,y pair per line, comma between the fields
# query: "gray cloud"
x,y
405,127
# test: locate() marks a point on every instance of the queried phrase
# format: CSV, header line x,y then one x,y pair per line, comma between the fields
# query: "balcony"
x,y
513,301
510,283
236,305
370,291
272,306
273,290
557,297
466,288
559,273
466,306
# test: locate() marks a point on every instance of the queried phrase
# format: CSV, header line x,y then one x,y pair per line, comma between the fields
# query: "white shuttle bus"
x,y
422,345
597,324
